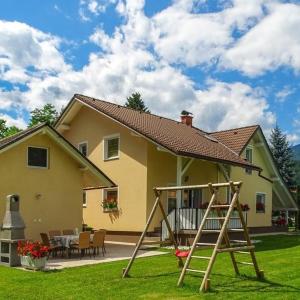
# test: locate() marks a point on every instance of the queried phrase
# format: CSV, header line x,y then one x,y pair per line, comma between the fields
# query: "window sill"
x,y
109,210
260,212
112,158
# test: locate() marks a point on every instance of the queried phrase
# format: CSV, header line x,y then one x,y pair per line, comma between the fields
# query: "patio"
x,y
115,251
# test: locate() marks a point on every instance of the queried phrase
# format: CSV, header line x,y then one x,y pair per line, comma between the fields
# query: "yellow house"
x,y
49,175
140,151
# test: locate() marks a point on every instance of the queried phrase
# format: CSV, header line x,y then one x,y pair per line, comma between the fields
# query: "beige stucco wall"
x,y
162,172
253,184
128,172
141,166
60,187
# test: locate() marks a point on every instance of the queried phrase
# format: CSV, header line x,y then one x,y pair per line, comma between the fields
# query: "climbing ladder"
x,y
241,247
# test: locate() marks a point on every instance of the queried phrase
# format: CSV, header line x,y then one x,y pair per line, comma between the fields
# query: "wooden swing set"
x,y
223,243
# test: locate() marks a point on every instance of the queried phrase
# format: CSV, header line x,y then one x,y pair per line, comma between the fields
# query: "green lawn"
x,y
156,278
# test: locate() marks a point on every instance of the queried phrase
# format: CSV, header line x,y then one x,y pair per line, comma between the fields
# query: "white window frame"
x,y
111,189
260,193
105,145
86,201
37,167
247,170
87,147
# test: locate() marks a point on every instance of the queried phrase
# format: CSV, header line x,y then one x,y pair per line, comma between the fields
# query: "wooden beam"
x,y
188,164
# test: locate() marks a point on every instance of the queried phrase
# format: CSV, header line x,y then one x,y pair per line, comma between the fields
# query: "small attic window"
x,y
37,157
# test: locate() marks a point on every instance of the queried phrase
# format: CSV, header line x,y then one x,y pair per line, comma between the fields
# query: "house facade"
x,y
49,175
140,151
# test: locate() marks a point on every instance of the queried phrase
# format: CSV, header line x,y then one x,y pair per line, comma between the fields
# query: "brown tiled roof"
x,y
236,139
18,136
171,135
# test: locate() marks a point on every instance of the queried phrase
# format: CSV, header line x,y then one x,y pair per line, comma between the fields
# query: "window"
x,y
249,159
83,148
260,202
110,199
111,147
84,199
37,157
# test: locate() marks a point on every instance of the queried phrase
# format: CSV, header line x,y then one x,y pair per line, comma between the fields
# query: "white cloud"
x,y
125,64
19,122
88,8
293,138
223,105
283,94
273,42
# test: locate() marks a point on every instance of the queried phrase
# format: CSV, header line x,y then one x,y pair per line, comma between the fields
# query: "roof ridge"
x,y
235,128
142,112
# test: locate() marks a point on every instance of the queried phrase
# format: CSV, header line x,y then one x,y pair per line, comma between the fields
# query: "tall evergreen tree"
x,y
47,114
283,155
135,101
6,131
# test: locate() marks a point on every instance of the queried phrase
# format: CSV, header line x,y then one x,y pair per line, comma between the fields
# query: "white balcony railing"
x,y
190,219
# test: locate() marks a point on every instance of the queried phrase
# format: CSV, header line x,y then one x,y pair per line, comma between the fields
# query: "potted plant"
x,y
33,255
109,205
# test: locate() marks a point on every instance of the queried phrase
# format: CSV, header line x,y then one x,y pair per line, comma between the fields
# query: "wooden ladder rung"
x,y
215,218
196,271
220,205
245,263
238,241
242,252
205,244
234,249
201,257
211,230
236,230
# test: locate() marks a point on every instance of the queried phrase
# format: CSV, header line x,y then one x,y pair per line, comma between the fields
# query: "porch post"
x,y
178,183
287,217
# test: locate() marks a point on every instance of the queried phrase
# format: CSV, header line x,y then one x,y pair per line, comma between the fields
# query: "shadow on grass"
x,y
282,242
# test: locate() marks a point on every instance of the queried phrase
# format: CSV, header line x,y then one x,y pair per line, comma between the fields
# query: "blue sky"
x,y
232,63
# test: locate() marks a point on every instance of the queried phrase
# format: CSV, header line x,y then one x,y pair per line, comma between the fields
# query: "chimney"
x,y
187,118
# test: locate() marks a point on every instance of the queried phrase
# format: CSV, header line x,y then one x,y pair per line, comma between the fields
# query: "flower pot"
x,y
28,262
107,209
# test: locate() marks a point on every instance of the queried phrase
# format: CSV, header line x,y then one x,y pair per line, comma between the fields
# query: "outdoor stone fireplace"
x,y
12,231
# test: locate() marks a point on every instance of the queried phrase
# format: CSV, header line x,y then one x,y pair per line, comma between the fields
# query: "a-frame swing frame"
x,y
141,243
247,248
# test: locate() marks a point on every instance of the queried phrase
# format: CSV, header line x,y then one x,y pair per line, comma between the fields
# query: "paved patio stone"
x,y
114,252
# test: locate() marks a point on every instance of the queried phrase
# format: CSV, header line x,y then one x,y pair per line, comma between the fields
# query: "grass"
x,y
156,278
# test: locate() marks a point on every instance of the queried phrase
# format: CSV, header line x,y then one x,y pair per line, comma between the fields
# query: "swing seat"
x,y
179,253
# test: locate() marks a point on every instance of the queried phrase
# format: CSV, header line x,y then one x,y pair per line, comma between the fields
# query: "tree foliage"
x,y
47,114
283,155
6,131
135,101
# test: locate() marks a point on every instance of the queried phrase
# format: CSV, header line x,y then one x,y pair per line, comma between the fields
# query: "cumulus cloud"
x,y
142,55
273,42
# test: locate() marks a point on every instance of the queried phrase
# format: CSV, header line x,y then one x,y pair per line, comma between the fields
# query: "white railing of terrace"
x,y
190,219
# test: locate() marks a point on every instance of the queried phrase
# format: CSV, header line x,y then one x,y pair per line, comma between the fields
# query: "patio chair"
x,y
98,242
53,233
53,248
68,232
83,243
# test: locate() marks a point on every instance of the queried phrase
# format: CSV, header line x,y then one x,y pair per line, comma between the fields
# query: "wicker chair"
x,y
98,242
53,233
68,232
83,243
53,248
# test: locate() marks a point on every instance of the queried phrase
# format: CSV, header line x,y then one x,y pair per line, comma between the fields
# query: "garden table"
x,y
66,240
